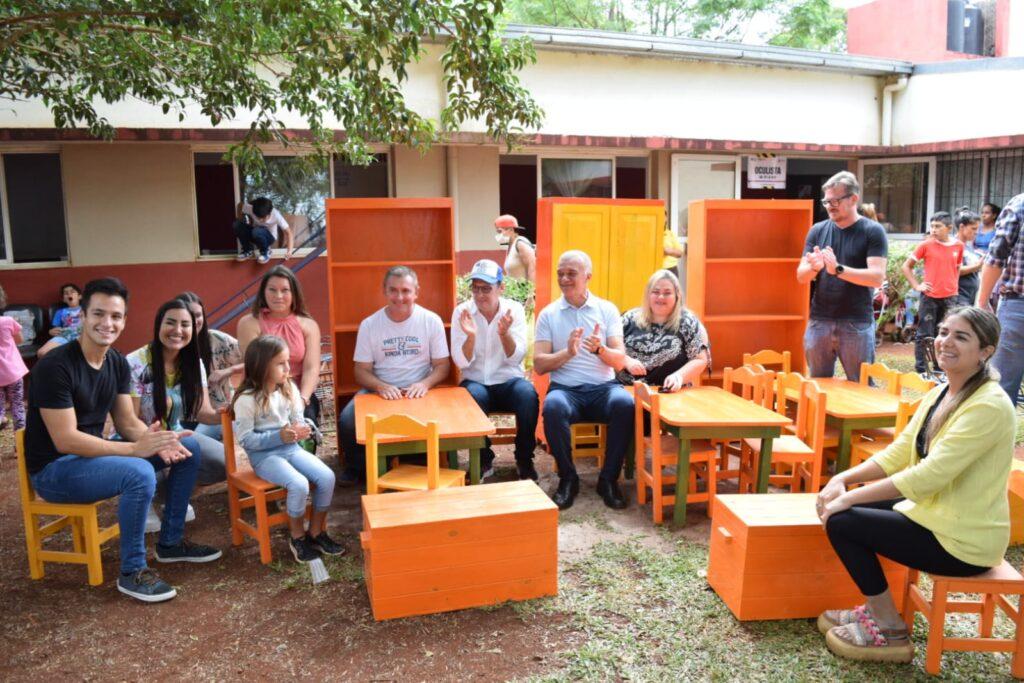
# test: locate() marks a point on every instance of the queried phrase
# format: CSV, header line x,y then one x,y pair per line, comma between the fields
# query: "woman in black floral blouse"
x,y
665,343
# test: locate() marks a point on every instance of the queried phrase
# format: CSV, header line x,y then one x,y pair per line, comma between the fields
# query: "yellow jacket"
x,y
958,492
670,241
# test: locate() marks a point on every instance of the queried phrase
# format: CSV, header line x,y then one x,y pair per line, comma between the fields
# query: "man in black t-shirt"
x,y
73,389
845,256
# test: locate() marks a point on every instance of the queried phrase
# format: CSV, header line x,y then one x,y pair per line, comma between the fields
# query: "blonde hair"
x,y
646,317
986,327
868,211
258,357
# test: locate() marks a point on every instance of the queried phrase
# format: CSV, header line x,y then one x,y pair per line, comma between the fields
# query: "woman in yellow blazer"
x,y
936,500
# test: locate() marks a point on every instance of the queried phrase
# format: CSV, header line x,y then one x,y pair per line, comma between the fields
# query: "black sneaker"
x,y
303,549
325,544
146,586
186,552
527,470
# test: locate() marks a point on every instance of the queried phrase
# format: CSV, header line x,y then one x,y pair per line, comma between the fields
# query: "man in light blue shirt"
x,y
579,341
488,346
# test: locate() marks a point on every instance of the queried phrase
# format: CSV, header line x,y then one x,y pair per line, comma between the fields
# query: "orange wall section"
x,y
911,30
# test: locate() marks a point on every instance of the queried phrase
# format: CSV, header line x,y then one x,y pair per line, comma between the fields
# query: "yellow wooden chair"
x,y
407,477
769,359
753,383
655,453
863,449
589,440
259,493
911,381
86,535
910,387
803,451
880,372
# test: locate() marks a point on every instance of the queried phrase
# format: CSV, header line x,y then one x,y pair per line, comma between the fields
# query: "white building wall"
x,y
419,175
476,195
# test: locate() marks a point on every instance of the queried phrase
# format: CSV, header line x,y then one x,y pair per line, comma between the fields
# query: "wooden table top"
x,y
784,511
715,407
847,400
456,412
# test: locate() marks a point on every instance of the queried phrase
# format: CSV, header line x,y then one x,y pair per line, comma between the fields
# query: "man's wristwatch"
x,y
597,351
839,269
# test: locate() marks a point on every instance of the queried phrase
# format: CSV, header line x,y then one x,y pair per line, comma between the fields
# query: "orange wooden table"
x,y
851,407
461,422
713,413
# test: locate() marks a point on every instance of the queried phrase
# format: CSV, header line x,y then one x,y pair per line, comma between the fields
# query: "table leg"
x,y
474,466
764,464
843,450
682,481
453,460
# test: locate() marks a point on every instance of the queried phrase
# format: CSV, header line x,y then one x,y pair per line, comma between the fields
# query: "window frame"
x,y
276,252
7,261
930,190
601,154
736,159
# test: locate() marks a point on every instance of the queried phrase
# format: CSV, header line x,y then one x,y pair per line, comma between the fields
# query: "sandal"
x,y
863,640
831,618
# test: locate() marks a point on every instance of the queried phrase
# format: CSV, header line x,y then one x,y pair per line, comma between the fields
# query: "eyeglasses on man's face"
x,y
834,203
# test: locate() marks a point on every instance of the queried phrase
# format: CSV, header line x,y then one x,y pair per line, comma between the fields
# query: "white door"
x,y
701,177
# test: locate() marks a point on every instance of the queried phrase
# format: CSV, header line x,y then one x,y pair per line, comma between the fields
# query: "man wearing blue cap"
x,y
488,346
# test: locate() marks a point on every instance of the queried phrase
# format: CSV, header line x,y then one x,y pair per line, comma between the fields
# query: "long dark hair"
x,y
298,302
202,336
189,374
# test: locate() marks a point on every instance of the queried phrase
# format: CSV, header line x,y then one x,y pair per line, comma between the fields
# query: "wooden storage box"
x,y
1016,494
770,559
448,549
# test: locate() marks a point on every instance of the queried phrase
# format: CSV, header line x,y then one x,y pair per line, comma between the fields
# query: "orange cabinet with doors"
x,y
741,276
365,237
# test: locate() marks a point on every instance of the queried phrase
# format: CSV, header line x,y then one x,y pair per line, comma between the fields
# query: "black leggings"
x,y
862,533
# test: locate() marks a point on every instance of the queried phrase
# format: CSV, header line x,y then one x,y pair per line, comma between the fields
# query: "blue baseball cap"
x,y
488,271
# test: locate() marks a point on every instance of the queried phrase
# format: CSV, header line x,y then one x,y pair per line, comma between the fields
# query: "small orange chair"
x,y
259,494
767,357
662,449
880,372
910,382
753,383
865,448
993,586
86,534
407,477
803,451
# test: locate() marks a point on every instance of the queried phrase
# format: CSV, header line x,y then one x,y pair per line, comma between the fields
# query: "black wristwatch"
x,y
597,351
839,269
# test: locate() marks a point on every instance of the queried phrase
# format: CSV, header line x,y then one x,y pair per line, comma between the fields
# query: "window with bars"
x,y
973,178
1005,175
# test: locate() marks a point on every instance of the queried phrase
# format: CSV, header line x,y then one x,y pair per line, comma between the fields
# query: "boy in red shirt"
x,y
942,256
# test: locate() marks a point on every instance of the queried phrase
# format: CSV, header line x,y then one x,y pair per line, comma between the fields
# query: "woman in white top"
x,y
520,257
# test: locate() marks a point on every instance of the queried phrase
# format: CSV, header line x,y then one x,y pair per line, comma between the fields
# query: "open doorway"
x,y
517,190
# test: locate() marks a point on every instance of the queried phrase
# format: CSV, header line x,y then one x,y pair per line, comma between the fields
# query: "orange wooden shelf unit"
x,y
770,559
1016,494
436,551
365,237
741,264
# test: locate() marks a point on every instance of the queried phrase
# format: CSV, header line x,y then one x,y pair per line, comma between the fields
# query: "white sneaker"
x,y
153,520
243,255
262,258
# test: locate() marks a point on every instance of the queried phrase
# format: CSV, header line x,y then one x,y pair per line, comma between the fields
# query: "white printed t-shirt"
x,y
271,222
401,353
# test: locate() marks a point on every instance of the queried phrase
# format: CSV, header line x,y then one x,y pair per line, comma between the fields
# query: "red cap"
x,y
506,221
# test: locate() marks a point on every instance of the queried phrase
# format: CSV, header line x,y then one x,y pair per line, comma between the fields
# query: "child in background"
x,y
942,256
69,317
12,368
269,424
966,230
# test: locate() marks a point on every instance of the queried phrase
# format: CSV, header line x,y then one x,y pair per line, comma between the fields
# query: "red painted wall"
x,y
149,285
1003,27
911,30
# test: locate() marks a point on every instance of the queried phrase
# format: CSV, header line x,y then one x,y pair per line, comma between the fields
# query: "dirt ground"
x,y
237,618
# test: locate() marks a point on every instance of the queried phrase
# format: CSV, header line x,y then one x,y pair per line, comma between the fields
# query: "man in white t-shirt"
x,y
257,235
488,346
401,352
579,341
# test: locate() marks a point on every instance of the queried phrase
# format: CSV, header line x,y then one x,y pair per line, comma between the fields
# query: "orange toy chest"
x,y
449,549
770,559
1016,494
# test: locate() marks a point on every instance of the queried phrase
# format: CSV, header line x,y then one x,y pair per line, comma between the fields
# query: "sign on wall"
x,y
766,172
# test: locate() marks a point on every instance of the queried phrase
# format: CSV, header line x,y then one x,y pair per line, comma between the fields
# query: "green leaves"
x,y
322,59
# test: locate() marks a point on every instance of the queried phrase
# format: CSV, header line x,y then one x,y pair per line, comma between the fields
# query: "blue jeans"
x,y
608,403
250,237
293,468
514,396
354,463
75,479
213,431
851,341
1009,356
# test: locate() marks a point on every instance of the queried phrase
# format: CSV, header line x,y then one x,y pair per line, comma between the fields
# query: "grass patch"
x,y
594,519
647,615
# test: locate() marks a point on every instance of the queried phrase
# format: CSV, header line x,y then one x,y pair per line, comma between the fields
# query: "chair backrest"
x,y
767,357
405,426
228,434
880,372
646,399
32,319
751,382
24,482
914,382
810,423
904,412
787,384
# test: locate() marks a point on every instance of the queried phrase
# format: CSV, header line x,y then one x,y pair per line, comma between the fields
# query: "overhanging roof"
x,y
611,42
